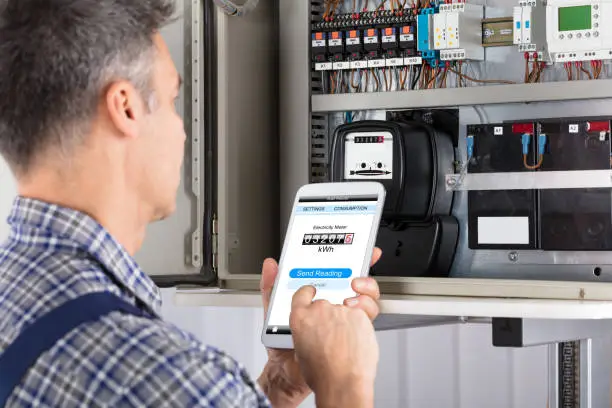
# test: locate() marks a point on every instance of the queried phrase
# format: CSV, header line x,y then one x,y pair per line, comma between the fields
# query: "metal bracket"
x,y
215,243
396,321
319,148
533,180
193,101
511,332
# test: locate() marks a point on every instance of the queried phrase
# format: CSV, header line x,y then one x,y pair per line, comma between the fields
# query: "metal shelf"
x,y
447,306
477,95
532,321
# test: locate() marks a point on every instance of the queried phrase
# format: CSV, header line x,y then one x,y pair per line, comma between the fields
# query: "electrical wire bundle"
x,y
537,67
331,8
594,73
416,77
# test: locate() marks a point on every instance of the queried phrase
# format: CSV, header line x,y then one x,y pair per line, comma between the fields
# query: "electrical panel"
x,y
363,47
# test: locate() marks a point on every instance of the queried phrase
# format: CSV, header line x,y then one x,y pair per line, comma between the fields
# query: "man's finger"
x,y
376,256
366,286
303,297
365,303
269,271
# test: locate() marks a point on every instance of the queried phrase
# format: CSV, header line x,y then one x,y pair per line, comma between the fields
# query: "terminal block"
x,y
530,28
319,47
354,45
407,40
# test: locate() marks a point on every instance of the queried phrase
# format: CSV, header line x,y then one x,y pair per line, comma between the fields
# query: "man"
x,y
89,128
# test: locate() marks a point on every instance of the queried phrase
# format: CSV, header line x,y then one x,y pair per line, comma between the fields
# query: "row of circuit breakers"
x,y
560,31
411,159
400,40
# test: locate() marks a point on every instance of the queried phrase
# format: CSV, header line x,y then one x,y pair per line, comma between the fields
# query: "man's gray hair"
x,y
57,58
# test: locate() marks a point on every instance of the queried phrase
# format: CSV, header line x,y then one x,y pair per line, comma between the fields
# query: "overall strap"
x,y
43,333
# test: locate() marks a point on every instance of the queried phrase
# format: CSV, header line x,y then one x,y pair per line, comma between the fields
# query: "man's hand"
x,y
282,379
337,350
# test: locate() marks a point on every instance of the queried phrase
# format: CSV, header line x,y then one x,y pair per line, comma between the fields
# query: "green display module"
x,y
574,18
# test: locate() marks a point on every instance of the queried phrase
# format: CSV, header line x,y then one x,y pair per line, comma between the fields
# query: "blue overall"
x,y
41,335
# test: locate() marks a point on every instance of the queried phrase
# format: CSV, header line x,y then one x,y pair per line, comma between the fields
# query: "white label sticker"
x,y
323,66
318,43
376,63
342,65
335,43
353,41
388,39
370,40
406,37
573,128
395,62
498,130
358,64
413,61
503,230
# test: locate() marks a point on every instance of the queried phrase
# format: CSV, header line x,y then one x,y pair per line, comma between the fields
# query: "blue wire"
x,y
348,118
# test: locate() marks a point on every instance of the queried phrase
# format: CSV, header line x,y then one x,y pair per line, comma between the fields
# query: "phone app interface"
x,y
325,248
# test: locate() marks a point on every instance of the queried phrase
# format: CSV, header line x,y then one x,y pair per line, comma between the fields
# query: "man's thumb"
x,y
303,297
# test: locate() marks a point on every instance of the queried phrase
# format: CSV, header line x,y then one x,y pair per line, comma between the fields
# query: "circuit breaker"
x,y
457,32
530,24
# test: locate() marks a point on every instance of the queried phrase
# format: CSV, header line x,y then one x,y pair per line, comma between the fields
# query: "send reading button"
x,y
320,273
320,278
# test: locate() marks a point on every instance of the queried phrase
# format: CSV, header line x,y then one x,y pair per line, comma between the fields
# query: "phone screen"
x,y
325,248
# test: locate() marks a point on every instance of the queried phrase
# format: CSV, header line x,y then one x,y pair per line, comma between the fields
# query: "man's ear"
x,y
125,107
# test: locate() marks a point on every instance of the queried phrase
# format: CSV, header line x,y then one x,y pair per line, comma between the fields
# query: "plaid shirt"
x,y
55,254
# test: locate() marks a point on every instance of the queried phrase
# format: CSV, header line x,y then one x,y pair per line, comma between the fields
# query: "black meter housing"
x,y
418,233
418,161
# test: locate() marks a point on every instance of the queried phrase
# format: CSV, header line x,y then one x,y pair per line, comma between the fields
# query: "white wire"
x,y
482,114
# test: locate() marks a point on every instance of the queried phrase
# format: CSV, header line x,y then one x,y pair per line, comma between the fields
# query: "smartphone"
x,y
329,242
